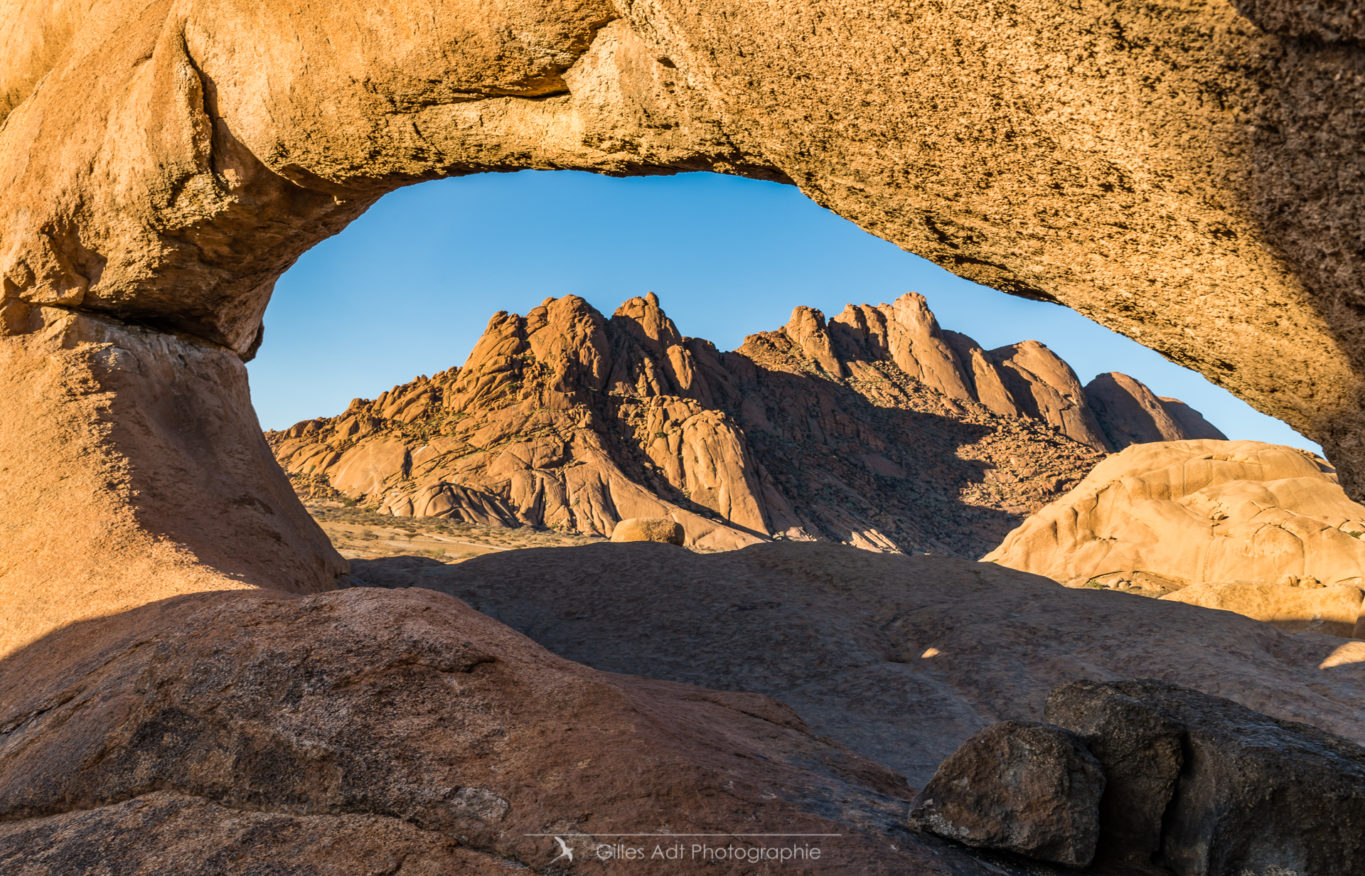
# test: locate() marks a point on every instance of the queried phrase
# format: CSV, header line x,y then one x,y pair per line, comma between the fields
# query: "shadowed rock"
x,y
1130,413
367,731
1141,752
1243,792
1031,789
900,658
1193,785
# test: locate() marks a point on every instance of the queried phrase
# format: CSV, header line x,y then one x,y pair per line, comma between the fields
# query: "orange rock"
x,y
876,429
1249,527
657,529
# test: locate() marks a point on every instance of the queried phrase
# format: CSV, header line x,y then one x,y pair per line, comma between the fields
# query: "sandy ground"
x,y
362,535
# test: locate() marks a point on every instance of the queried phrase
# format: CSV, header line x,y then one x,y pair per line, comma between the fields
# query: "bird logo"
x,y
565,852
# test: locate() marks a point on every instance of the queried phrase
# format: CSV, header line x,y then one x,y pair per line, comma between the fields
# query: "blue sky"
x,y
408,288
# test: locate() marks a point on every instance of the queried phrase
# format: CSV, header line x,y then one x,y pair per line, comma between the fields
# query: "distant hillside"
x,y
876,428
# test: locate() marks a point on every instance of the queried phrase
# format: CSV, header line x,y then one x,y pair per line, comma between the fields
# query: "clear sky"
x,y
408,288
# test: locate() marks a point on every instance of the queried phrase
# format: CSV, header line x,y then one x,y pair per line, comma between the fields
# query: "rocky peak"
x,y
644,318
651,354
1129,411
876,428
808,333
1047,389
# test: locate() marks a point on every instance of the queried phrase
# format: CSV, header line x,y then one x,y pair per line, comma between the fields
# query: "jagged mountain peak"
x,y
876,428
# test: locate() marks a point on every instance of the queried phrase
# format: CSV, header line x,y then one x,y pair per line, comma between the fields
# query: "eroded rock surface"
x,y
134,472
1158,780
875,428
372,731
900,658
1256,528
1239,793
1214,219
1186,174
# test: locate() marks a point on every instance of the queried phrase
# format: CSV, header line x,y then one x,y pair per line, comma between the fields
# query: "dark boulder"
x,y
1253,794
1140,751
1027,788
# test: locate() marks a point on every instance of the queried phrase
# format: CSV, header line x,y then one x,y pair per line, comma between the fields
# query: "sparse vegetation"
x,y
363,533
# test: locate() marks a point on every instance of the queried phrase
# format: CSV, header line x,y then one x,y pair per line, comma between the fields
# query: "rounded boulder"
x,y
658,529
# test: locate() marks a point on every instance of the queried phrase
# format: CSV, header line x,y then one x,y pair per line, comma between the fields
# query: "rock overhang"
x,y
1187,175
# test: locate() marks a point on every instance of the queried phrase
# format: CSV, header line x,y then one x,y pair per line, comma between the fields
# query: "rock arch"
x,y
1185,173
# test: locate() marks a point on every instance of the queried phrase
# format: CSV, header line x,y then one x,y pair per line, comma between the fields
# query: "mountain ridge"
x,y
875,428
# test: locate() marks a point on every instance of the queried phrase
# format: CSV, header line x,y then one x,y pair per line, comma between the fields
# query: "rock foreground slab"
x,y
372,723
367,731
899,658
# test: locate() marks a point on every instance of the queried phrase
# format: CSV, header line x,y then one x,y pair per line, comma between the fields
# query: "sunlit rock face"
x,y
875,428
1255,528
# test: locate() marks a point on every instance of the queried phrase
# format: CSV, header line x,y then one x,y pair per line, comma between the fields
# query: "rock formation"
x,y
1210,786
899,658
368,729
1254,528
1187,174
655,529
1028,788
875,428
1128,413
1215,219
1219,230
364,731
162,165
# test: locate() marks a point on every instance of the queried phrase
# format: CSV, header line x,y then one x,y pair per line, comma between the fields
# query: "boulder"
x,y
1260,529
656,529
1155,779
1141,752
1241,793
1031,789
